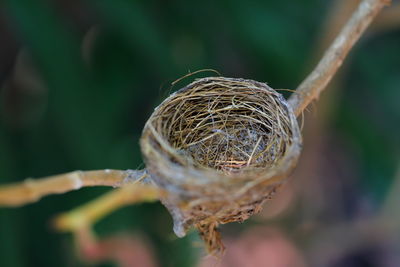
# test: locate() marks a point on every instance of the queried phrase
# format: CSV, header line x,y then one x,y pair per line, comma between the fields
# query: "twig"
x,y
31,190
333,58
88,214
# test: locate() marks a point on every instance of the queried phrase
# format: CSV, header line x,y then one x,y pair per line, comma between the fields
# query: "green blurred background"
x,y
79,79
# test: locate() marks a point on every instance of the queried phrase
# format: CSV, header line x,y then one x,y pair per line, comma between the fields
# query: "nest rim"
x,y
207,175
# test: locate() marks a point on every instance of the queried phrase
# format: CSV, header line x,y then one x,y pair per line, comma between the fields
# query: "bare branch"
x,y
333,58
88,214
31,190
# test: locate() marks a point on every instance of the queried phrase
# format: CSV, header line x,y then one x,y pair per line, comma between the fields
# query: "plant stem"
x,y
88,214
334,56
31,190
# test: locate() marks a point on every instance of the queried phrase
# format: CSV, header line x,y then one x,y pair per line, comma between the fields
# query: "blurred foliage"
x,y
81,78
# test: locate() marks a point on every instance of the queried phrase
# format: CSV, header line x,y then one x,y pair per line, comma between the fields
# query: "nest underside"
x,y
220,147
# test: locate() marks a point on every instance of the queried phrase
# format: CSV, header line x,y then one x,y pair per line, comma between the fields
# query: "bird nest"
x,y
219,147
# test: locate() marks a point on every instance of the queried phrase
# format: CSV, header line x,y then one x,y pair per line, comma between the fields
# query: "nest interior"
x,y
215,138
226,128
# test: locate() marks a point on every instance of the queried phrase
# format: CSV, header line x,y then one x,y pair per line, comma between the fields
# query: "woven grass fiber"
x,y
219,147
